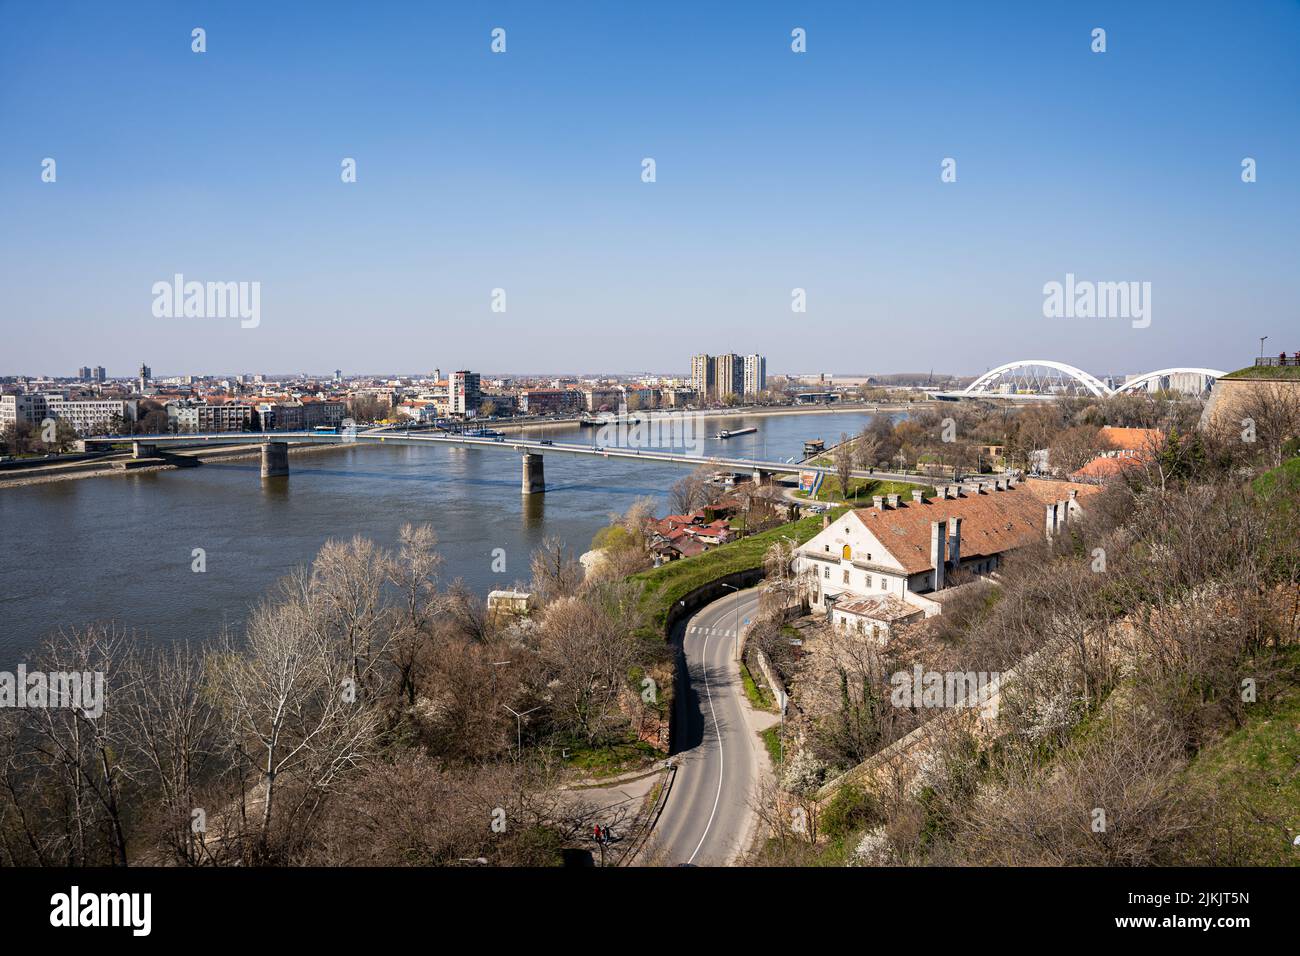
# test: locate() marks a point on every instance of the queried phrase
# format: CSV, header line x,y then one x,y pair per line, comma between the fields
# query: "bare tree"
x,y
293,710
554,571
414,573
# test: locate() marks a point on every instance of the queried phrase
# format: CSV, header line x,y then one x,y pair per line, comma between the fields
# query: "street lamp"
x,y
1262,340
495,665
519,727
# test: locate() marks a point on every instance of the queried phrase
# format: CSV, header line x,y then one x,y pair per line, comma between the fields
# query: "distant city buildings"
x,y
715,378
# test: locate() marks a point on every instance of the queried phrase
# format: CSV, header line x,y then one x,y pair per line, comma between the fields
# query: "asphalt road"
x,y
708,818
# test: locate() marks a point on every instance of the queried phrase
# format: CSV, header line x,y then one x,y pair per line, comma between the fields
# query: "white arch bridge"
x,y
1045,378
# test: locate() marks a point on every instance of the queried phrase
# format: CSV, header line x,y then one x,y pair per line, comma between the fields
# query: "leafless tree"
x,y
294,713
414,573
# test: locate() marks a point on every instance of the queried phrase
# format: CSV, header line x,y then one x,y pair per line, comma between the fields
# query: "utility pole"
x,y
519,728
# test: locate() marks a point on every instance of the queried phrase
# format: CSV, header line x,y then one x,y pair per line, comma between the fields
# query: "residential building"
x,y
203,417
702,371
464,393
728,376
100,375
908,549
550,401
755,375
28,409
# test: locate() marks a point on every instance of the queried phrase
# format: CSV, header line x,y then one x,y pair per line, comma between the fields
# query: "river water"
x,y
119,549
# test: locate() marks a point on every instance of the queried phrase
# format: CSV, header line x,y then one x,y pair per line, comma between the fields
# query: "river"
x,y
119,549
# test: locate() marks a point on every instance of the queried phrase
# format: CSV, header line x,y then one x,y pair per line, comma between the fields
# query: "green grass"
x,y
772,740
1281,483
1287,372
862,490
1254,772
664,586
613,759
759,698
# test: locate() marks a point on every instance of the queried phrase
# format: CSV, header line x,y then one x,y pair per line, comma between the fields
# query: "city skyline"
x,y
821,176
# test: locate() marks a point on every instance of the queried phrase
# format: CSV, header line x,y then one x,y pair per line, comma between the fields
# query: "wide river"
x,y
118,549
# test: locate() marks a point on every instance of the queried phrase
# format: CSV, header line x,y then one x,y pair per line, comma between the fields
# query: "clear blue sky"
x,y
522,171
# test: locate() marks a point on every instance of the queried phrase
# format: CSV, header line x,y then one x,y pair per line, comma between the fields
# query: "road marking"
x,y
718,732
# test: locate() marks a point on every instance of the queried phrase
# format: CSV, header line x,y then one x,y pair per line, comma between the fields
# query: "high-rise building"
x,y
83,373
728,376
146,373
702,371
755,374
101,374
463,392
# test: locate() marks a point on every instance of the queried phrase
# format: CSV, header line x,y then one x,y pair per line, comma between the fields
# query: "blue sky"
x,y
522,171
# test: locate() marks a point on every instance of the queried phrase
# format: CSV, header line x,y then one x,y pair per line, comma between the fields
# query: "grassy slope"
x,y
1285,372
1255,769
668,584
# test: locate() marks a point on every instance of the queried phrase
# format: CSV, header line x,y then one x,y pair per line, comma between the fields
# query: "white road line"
x,y
718,731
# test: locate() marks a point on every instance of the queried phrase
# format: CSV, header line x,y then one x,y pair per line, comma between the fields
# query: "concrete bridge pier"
x,y
762,477
534,477
141,449
275,459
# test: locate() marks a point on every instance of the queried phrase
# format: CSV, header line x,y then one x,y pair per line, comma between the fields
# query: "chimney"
x,y
954,542
893,501
999,484
826,519
941,491
1011,482
917,496
938,538
878,502
1074,493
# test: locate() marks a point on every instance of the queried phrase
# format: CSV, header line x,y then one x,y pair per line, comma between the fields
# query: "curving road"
x,y
707,819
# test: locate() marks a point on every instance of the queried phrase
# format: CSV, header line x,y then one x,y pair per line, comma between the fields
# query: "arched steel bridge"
x,y
1045,378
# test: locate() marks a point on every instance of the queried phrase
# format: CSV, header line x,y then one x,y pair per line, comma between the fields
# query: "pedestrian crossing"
x,y
711,631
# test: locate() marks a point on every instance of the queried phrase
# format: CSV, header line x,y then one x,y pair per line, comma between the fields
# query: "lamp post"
x,y
519,728
1262,340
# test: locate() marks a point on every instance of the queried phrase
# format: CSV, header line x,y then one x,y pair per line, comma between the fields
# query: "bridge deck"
x,y
518,445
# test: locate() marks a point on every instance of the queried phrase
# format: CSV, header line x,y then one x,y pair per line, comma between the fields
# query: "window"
x,y
827,574
884,583
868,579
846,577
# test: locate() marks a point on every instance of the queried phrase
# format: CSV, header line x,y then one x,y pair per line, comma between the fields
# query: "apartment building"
x,y
464,392
755,374
550,401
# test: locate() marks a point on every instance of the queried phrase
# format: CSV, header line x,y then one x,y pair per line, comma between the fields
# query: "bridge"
x,y
275,452
1036,379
